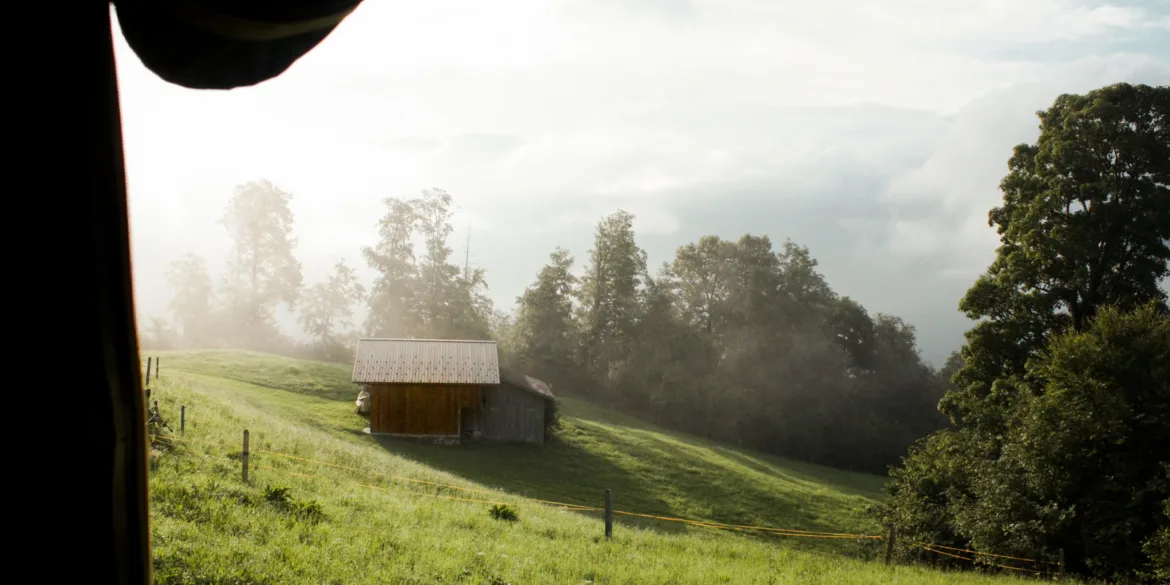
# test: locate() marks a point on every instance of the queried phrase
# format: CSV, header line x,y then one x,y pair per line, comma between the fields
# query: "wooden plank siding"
x,y
420,409
511,414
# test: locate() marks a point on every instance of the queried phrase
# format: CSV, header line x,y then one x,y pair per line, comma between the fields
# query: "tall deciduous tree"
x,y
192,304
1084,226
394,290
262,271
854,332
609,295
544,336
328,305
450,303
700,272
427,296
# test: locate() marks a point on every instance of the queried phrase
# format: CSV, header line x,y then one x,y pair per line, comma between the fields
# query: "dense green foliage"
x,y
1061,403
1158,547
732,340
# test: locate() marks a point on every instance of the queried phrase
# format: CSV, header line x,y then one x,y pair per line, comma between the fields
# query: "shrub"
x,y
552,417
281,497
503,512
278,494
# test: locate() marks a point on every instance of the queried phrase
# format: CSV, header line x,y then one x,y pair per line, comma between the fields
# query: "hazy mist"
x,y
875,136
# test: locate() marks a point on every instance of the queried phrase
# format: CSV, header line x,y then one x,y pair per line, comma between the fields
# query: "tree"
x,y
854,332
393,294
429,296
1084,224
1077,468
544,334
947,372
450,302
1084,229
609,295
1158,546
158,335
752,358
262,271
192,303
328,305
800,281
544,317
503,330
700,272
895,401
732,340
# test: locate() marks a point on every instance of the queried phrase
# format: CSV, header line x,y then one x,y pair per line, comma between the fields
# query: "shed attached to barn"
x,y
447,389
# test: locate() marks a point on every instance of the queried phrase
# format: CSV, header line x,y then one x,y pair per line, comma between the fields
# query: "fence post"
x,y
608,513
244,458
157,361
148,371
890,543
182,420
1060,564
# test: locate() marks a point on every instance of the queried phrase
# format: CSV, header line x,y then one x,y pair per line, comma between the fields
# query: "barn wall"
x,y
511,414
419,409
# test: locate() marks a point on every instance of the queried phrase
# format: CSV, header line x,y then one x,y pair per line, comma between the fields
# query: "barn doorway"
x,y
468,424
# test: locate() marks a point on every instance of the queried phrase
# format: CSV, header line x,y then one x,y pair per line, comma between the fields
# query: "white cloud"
x,y
960,180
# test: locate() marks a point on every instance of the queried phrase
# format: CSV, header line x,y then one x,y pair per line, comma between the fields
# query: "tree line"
x,y
1046,432
740,341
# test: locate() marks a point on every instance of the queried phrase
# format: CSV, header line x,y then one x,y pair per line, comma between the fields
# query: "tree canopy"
x,y
1060,392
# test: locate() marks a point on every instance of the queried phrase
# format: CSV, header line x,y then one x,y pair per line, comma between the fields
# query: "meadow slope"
x,y
391,511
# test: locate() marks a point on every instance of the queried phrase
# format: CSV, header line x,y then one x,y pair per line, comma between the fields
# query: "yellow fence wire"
x,y
948,551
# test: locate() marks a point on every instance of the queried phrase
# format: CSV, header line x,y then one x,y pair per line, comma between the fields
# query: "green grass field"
x,y
371,519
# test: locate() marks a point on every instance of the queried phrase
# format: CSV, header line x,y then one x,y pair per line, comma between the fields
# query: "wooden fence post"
x,y
148,371
157,361
608,514
890,543
244,458
182,420
1060,564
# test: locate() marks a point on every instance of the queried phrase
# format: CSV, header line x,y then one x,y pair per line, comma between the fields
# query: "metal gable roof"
x,y
426,361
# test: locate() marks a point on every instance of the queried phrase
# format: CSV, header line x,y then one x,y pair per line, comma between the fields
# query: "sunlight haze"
x,y
876,133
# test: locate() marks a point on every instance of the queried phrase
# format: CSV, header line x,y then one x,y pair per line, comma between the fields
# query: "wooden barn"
x,y
448,390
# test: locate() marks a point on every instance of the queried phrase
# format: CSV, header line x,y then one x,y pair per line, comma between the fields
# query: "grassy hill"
x,y
351,508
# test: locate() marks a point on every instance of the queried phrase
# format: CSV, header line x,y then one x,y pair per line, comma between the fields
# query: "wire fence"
x,y
1032,566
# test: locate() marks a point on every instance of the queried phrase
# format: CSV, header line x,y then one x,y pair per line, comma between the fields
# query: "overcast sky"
x,y
875,133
